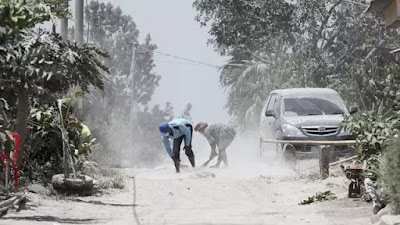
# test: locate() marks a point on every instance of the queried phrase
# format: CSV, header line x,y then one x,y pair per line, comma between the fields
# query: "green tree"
x,y
186,112
306,44
132,79
38,65
120,116
245,25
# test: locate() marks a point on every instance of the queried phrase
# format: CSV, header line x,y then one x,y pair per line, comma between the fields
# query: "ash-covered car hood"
x,y
320,120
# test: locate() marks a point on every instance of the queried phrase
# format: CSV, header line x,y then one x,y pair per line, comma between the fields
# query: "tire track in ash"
x,y
135,214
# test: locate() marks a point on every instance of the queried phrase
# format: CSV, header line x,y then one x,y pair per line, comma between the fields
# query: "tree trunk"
x,y
21,124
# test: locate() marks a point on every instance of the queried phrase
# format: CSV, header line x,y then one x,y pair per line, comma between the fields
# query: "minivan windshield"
x,y
327,104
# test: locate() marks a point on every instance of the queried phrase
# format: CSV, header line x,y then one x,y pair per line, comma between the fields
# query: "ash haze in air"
x,y
173,29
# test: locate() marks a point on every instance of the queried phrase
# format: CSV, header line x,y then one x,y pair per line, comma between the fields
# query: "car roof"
x,y
303,91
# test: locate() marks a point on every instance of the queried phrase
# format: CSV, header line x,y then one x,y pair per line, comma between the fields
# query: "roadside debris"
x,y
319,197
38,189
12,201
204,174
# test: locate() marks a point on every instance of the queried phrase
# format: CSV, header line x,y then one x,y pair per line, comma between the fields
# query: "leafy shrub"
x,y
5,133
44,156
373,136
391,172
373,132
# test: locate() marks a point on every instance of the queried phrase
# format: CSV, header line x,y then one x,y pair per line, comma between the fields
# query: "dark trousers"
x,y
178,143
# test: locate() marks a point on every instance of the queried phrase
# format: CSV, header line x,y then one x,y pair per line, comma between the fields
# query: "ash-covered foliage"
x,y
36,68
278,44
315,43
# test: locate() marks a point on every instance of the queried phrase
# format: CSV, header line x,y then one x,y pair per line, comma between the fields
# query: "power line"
x,y
180,57
182,63
186,59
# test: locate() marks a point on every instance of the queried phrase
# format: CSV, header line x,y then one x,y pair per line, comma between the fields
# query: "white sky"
x,y
172,27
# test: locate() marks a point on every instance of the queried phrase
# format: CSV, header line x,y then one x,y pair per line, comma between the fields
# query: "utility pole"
x,y
64,25
79,21
79,32
132,116
132,99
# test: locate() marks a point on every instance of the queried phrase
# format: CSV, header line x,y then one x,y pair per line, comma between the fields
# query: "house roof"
x,y
378,5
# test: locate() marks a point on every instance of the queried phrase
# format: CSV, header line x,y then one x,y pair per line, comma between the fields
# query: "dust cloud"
x,y
243,156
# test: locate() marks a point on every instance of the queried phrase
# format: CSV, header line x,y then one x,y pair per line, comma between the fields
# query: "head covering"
x,y
163,128
200,126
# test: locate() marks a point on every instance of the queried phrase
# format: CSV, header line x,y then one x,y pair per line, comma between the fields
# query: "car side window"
x,y
266,104
277,104
271,103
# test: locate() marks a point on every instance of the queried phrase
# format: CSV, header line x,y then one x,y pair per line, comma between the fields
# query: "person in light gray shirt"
x,y
178,130
218,136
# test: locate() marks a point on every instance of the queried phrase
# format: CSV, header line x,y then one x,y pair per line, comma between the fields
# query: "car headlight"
x,y
291,130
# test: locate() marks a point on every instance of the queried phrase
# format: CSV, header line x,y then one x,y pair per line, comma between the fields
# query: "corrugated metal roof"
x,y
378,5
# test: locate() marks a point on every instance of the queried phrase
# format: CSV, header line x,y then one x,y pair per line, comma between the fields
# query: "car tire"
x,y
79,183
289,156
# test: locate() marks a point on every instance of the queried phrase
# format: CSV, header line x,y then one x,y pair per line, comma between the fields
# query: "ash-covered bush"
x,y
391,172
374,133
105,177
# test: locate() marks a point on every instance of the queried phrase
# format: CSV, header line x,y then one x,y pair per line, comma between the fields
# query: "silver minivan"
x,y
304,114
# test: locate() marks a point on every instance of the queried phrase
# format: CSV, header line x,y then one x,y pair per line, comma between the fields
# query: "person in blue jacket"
x,y
178,130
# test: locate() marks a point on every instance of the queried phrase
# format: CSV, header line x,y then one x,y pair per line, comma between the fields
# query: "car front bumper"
x,y
317,138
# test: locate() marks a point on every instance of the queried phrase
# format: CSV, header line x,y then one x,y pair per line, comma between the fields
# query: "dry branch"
x,y
11,202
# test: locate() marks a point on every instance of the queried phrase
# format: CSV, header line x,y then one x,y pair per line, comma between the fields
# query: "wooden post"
x,y
324,161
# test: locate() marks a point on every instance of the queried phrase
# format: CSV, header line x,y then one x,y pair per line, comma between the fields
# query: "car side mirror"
x,y
270,113
353,110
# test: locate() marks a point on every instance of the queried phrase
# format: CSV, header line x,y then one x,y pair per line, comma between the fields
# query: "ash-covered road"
x,y
245,194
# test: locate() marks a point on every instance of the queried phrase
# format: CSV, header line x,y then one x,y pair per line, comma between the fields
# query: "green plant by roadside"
x,y
45,152
374,133
319,197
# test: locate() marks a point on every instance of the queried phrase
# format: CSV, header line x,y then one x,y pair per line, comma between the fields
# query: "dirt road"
x,y
259,194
